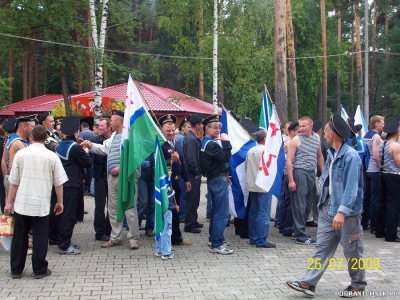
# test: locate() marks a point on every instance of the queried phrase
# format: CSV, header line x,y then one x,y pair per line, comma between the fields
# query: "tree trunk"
x,y
373,57
221,90
280,59
10,72
201,40
215,59
387,33
292,62
324,91
64,86
151,34
25,73
98,42
352,67
90,85
30,70
360,84
46,64
339,72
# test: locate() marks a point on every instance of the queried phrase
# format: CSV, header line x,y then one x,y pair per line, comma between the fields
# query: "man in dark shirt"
x,y
191,149
74,159
215,154
101,221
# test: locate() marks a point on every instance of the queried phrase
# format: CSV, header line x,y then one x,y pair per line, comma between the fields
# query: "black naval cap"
x,y
358,127
118,113
184,120
317,125
196,118
210,119
167,119
9,125
293,125
340,127
31,118
43,117
70,125
350,122
249,125
391,126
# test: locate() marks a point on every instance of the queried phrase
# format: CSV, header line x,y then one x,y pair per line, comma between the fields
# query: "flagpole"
x,y
269,96
220,104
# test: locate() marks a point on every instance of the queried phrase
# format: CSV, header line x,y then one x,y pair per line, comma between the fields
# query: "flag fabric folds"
x,y
359,119
161,183
270,171
241,143
343,113
265,112
138,136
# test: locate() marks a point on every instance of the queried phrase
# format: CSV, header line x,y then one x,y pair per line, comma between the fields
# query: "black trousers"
x,y
68,218
192,202
389,207
54,221
176,236
101,222
19,246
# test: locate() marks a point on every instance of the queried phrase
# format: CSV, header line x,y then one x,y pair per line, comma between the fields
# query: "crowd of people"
x,y
338,181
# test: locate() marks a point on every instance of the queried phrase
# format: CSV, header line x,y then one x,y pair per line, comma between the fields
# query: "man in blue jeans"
x,y
215,154
261,200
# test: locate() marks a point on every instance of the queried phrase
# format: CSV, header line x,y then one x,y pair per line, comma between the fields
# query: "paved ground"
x,y
195,273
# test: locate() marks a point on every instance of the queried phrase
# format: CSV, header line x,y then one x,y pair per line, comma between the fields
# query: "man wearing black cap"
x,y
340,213
17,141
215,155
47,120
389,207
174,159
74,159
112,148
191,149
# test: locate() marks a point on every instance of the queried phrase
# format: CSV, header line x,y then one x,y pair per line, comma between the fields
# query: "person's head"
x,y
305,125
39,134
185,128
213,126
25,126
47,120
336,130
196,122
317,126
392,130
96,129
105,127
376,123
285,126
2,132
117,120
293,129
167,123
260,136
84,126
59,132
176,132
70,126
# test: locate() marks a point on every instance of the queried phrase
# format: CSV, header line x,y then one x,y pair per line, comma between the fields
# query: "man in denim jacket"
x,y
340,213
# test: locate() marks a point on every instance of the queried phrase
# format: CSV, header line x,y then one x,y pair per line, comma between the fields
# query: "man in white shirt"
x,y
34,166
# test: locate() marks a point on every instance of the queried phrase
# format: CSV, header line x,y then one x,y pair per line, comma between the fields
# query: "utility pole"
x,y
366,93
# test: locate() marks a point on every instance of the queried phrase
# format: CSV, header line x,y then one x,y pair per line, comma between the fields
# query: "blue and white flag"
x,y
241,143
265,112
270,171
343,113
359,119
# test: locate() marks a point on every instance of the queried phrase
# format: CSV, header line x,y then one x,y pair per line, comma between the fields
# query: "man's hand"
x,y
174,157
188,186
177,207
224,137
115,171
338,221
8,207
292,186
58,208
87,144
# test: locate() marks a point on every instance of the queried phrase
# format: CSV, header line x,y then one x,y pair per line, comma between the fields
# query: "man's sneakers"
x,y
222,250
351,292
308,241
111,243
40,276
169,256
70,251
302,287
192,230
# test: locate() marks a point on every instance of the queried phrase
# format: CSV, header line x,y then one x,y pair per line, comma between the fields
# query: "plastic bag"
x,y
6,230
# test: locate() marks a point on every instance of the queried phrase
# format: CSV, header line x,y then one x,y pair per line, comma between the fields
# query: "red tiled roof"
x,y
161,100
9,110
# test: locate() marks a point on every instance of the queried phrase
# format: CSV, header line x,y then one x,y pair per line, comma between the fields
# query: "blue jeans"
x,y
182,185
209,207
372,198
146,203
219,196
259,214
163,243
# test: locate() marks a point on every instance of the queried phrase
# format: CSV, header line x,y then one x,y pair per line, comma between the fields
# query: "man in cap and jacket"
x,y
340,213
174,160
112,148
191,150
74,159
47,120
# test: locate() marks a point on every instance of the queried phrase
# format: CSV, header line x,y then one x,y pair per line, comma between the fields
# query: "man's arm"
x,y
292,148
395,150
375,148
58,208
15,147
11,197
320,160
4,161
189,151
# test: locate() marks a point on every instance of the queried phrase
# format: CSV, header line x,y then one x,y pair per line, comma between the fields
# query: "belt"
x,y
176,177
396,173
225,174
